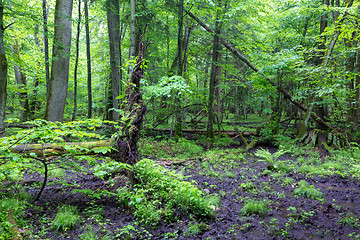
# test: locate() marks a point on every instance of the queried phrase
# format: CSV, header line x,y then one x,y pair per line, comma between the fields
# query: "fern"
x,y
266,156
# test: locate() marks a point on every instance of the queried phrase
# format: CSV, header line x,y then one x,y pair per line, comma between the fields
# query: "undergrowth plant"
x,y
159,192
66,218
270,158
11,210
254,207
181,149
308,191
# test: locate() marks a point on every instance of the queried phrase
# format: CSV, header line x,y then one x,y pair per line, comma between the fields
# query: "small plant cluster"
x,y
271,159
66,218
254,207
308,191
159,192
168,148
10,211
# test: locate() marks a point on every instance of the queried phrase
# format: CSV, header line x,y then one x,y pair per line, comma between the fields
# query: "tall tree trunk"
x,y
3,71
76,62
218,88
88,57
55,104
132,49
114,41
320,108
21,82
213,74
34,103
46,47
177,105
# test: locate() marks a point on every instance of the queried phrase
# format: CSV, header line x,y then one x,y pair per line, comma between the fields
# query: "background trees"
x,y
309,48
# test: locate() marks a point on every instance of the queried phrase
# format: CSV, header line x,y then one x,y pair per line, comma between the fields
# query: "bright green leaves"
x,y
174,86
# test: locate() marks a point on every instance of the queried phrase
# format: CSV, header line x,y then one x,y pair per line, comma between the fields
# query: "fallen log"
x,y
197,131
56,149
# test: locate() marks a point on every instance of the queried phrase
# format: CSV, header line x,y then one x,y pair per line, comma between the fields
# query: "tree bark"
x,y
60,61
255,69
134,111
34,103
178,116
23,96
132,53
88,58
76,62
46,47
114,41
213,77
3,71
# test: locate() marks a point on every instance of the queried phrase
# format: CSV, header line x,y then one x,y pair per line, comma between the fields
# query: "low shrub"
x,y
160,191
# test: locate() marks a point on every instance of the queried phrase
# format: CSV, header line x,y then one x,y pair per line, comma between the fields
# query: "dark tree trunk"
x,y
3,71
76,62
134,111
60,62
88,58
213,78
114,41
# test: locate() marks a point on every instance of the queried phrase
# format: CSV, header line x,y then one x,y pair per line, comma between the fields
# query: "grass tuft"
x,y
66,218
308,191
254,207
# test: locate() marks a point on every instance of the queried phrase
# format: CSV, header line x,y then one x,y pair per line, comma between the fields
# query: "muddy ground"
x,y
288,216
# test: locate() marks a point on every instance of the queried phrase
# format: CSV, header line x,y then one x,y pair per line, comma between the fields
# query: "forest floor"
x,y
288,203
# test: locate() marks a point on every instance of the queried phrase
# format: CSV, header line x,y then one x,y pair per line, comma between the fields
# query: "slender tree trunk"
x,y
60,61
3,71
218,88
76,62
21,81
213,74
132,49
46,47
177,105
33,100
88,57
320,108
114,41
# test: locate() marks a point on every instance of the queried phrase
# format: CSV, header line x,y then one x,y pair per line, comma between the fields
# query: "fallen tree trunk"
x,y
252,66
55,149
196,131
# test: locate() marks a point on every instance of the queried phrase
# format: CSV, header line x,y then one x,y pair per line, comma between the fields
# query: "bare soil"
x,y
289,217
